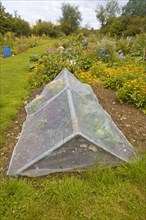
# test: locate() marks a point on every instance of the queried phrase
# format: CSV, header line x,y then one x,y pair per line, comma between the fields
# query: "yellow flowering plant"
x,y
134,91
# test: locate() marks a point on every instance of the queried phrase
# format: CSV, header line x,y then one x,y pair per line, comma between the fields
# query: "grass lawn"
x,y
117,194
14,85
109,194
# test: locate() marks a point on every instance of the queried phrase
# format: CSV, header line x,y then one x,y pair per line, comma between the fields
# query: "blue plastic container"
x,y
101,52
7,51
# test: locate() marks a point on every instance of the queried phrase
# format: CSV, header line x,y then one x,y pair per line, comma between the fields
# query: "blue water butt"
x,y
7,51
101,52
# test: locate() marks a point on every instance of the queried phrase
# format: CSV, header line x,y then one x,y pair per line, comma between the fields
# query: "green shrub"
x,y
123,45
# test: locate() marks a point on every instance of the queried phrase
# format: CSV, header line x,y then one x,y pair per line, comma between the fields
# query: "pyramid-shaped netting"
x,y
66,129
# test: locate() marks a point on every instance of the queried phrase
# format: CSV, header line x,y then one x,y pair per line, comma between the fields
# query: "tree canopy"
x,y
5,20
134,7
110,10
47,28
71,18
131,22
14,24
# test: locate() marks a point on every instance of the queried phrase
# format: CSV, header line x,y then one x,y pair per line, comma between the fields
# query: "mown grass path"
x,y
14,87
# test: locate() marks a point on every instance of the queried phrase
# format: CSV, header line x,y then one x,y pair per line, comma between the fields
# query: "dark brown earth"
x,y
130,120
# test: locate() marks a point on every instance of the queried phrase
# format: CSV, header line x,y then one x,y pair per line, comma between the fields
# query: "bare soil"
x,y
130,120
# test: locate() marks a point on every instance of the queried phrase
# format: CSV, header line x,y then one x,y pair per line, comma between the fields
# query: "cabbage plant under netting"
x,y
67,129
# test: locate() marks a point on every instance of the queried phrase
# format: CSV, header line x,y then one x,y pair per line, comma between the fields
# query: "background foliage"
x,y
115,21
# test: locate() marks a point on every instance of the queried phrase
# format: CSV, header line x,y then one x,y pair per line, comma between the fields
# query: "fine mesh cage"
x,y
67,129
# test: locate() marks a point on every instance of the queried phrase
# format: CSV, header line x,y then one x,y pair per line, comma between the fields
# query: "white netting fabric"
x,y
66,129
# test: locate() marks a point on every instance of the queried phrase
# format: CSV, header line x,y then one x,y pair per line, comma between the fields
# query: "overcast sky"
x,y
32,10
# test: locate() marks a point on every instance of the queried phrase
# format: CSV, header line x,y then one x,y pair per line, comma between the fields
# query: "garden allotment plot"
x,y
66,129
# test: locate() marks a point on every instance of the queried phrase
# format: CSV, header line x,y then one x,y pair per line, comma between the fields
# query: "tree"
x,y
136,25
117,28
134,7
47,28
5,20
13,24
110,10
71,18
101,15
42,27
20,27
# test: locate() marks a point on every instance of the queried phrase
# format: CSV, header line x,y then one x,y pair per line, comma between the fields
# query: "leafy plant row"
x,y
124,75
